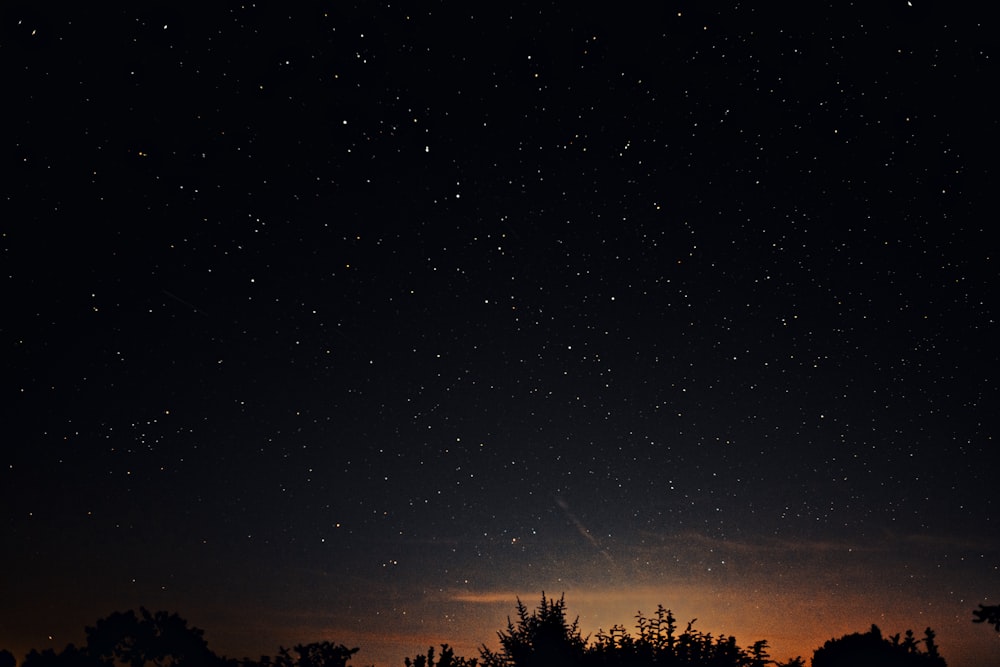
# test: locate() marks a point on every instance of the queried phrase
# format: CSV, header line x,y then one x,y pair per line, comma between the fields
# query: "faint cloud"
x,y
490,597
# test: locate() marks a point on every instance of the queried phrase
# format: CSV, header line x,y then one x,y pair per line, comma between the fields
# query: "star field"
x,y
355,323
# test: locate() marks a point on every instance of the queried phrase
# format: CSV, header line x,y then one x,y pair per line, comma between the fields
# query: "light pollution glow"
x,y
794,594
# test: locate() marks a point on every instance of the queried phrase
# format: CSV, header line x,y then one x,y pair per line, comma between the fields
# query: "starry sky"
x,y
357,322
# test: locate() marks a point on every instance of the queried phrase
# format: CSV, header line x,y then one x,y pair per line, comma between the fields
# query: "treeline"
x,y
542,637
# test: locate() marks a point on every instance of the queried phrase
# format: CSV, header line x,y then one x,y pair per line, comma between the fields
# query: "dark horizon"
x,y
656,631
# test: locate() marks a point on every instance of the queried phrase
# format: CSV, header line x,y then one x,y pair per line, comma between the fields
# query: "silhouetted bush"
x,y
70,656
447,659
316,654
797,661
319,654
872,650
125,638
541,639
545,637
658,643
148,638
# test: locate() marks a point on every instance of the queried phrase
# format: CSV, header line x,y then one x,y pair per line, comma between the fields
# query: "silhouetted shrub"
x,y
70,656
659,643
447,659
157,638
872,650
323,654
797,661
545,637
316,654
541,639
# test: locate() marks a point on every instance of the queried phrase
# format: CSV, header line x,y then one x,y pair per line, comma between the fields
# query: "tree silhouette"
x,y
545,637
797,661
323,654
70,656
160,640
988,614
658,643
541,639
447,659
316,654
872,650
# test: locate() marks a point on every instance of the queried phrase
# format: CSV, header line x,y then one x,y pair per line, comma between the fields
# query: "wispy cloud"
x,y
491,597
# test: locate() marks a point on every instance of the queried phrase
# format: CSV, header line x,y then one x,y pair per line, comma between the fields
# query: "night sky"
x,y
357,322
